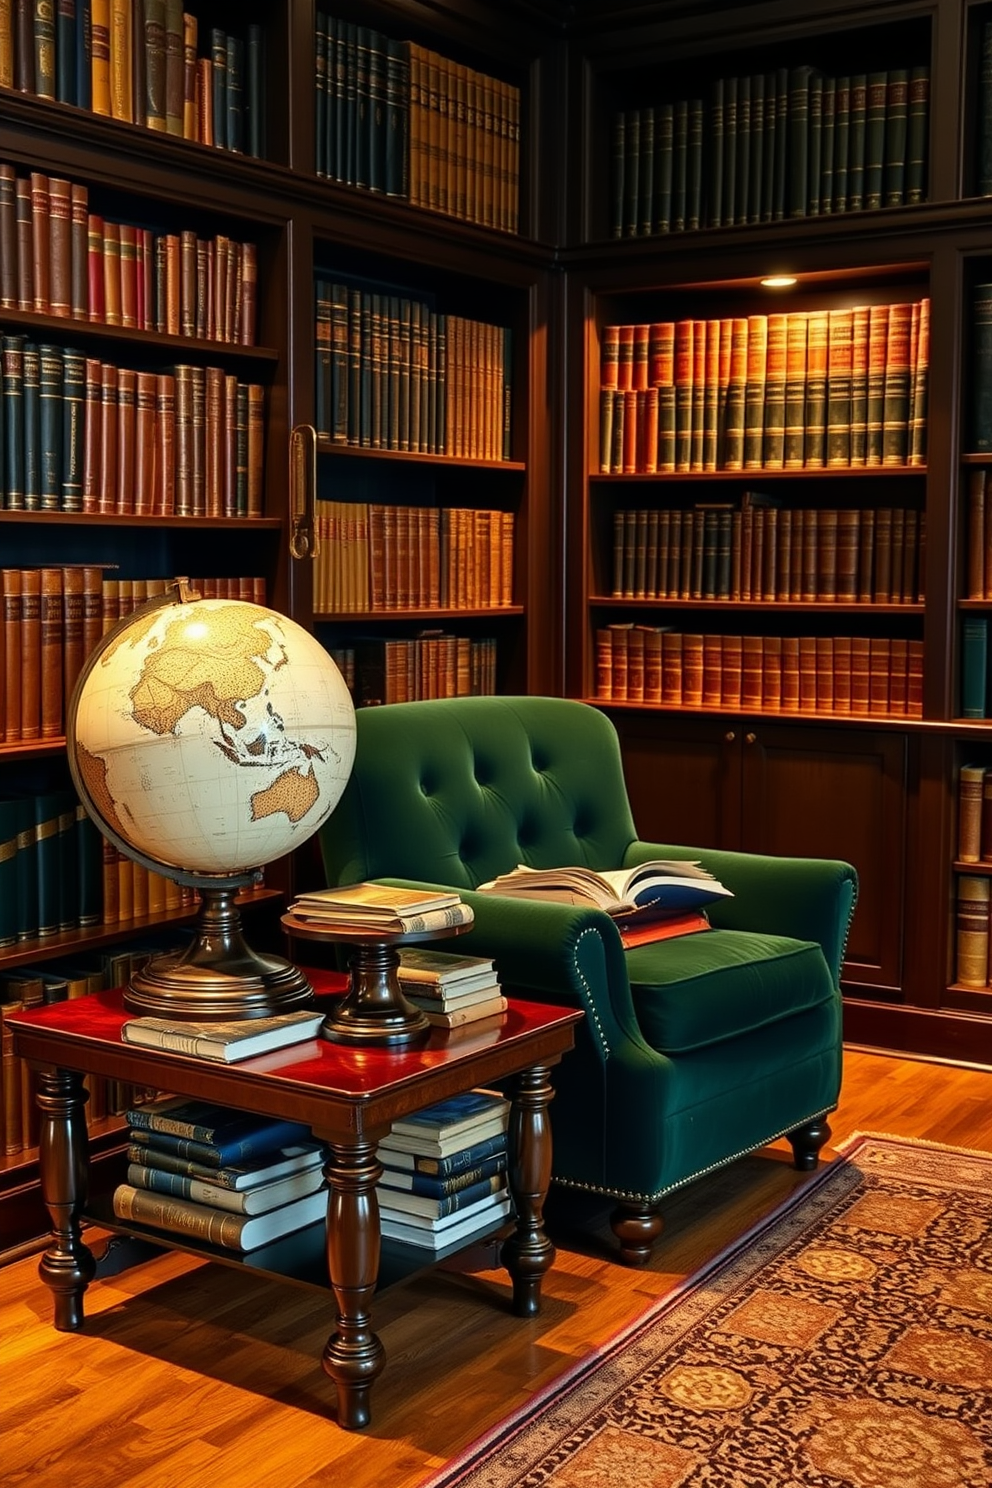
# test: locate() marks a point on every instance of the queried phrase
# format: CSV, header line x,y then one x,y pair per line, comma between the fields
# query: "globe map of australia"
x,y
212,736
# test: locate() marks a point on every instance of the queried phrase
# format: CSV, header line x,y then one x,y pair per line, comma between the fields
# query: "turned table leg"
x,y
353,1355
67,1267
528,1253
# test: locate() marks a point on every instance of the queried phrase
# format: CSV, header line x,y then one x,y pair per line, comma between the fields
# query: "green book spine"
x,y
254,98
322,369
377,111
84,54
813,176
27,865
218,81
680,162
68,861
362,125
714,184
729,208
65,51
875,132
32,427
981,369
337,62
816,391
842,131
974,666
896,130
917,134
320,94
13,412
742,165
795,392
50,380
694,166
44,48
397,117
664,161
354,366
827,149
618,173
155,65
338,369
632,150
365,377
645,177
859,385
234,93
666,428
754,393
839,360
770,147
798,153
856,143
507,393
757,156
773,451
48,810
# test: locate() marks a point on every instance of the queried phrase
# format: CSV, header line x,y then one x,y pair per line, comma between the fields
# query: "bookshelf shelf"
x,y
406,457
423,617
772,606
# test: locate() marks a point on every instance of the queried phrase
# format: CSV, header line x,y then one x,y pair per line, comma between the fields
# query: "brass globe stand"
x,y
218,976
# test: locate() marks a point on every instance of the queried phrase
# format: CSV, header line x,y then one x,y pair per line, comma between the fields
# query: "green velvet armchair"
x,y
694,1050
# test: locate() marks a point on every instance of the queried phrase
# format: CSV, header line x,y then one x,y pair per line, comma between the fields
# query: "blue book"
x,y
454,1162
974,666
433,1187
209,1133
459,1113
405,1206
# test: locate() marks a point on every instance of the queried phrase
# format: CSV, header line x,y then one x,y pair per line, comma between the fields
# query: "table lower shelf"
x,y
301,1257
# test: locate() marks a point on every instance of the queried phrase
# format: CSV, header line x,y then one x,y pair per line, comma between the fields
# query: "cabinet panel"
x,y
802,792
837,794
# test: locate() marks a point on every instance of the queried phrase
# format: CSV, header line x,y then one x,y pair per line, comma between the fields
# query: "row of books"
x,y
405,670
78,434
223,1177
975,814
972,925
374,556
976,683
770,553
58,258
393,373
51,618
791,142
395,117
138,61
797,391
856,675
56,981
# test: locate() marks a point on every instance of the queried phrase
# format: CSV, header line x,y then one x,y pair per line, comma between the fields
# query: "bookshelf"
x,y
223,330
718,588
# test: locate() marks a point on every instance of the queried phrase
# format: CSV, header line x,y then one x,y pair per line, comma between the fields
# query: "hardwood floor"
x,y
197,1375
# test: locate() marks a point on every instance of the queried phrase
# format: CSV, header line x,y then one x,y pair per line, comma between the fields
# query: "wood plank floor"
x,y
196,1375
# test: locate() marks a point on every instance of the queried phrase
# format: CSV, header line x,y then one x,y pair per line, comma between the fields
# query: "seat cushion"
x,y
700,989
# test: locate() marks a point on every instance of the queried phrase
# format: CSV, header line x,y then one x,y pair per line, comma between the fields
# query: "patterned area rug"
x,y
845,1344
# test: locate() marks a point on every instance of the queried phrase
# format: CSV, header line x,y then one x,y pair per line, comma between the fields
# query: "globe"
x,y
208,737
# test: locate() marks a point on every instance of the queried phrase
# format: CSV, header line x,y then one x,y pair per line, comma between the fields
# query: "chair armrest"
x,y
560,953
806,898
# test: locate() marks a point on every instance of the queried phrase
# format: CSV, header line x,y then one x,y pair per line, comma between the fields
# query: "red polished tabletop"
x,y
85,1033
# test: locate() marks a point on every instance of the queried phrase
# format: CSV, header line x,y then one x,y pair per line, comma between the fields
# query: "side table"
x,y
350,1098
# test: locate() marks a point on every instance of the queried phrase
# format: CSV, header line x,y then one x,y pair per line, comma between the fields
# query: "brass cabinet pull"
x,y
303,539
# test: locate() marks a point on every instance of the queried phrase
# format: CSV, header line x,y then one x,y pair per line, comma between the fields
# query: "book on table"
x,y
252,1173
241,1232
224,1042
437,1186
435,1165
429,973
379,907
456,1229
398,1204
453,1123
461,1014
257,1198
649,888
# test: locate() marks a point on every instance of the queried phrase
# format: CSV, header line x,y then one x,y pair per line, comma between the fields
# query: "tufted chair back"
x,y
479,785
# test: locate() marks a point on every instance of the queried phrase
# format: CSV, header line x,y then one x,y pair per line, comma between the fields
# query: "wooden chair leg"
x,y
806,1143
637,1227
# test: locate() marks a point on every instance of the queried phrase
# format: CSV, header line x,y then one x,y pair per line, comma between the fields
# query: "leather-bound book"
x,y
30,634
51,377
824,674
860,320
8,237
184,436
51,652
214,442
773,456
807,674
112,273
971,813
144,443
895,408
190,125
96,284
41,244
128,248
898,676
791,685
752,671
24,222
165,444
10,589
108,439
879,667
771,673
839,365
972,930
794,437
79,297
121,60
72,626
31,362
59,246
816,389
842,674
92,434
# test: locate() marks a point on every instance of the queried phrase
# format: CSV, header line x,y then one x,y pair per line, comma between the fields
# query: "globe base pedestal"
x,y
217,977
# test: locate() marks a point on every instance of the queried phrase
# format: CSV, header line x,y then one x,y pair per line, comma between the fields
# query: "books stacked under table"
x,y
452,990
444,1173
220,1176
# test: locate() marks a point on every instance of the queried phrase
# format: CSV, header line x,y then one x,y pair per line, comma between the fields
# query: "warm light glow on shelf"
x,y
778,281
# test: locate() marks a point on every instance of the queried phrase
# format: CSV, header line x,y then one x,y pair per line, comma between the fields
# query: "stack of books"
x,y
451,989
380,909
220,1176
444,1173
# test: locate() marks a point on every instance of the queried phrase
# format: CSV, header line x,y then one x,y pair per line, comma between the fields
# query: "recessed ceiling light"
x,y
779,281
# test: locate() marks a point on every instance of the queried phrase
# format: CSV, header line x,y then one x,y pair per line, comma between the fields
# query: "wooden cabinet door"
x,y
683,777
836,793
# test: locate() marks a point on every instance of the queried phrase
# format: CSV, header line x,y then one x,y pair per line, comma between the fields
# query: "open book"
x,y
650,890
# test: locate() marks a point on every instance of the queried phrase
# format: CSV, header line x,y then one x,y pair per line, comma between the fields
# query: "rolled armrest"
x,y
563,953
806,898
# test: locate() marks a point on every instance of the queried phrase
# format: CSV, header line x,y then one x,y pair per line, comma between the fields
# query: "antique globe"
x,y
206,738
